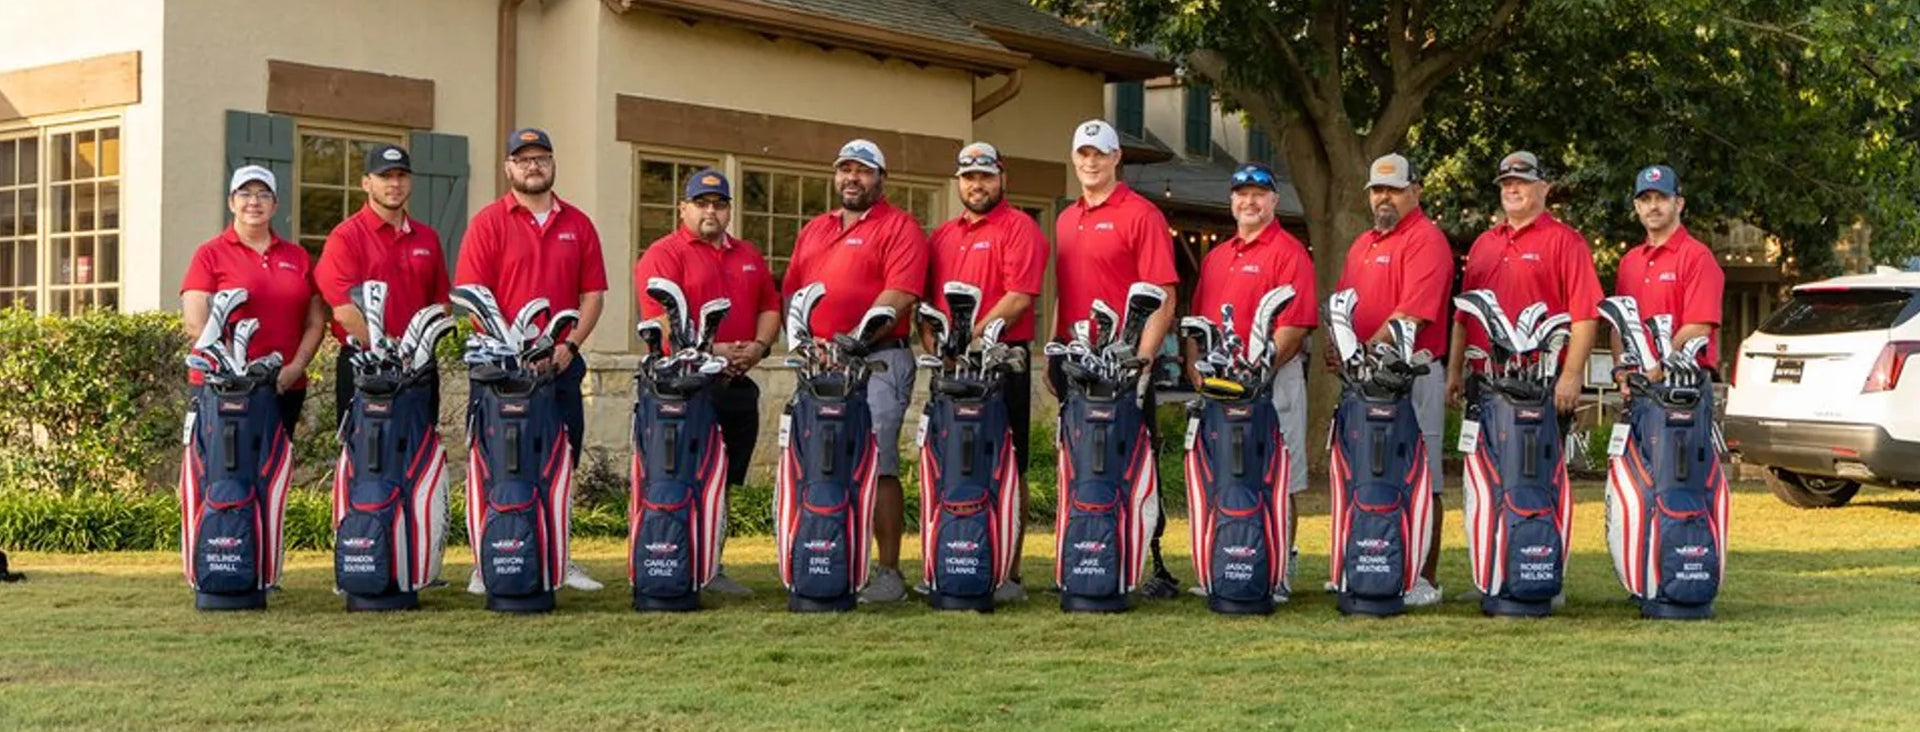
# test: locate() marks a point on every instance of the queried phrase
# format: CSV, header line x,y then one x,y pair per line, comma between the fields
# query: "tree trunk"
x,y
1336,215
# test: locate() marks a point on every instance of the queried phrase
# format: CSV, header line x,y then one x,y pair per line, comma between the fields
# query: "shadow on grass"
x,y
1905,505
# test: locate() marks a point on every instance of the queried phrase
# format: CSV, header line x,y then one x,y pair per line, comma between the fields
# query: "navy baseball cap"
x,y
708,182
1657,178
388,157
1254,174
528,137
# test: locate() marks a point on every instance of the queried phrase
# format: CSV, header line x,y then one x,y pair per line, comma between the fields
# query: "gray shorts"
x,y
888,394
1290,401
1430,410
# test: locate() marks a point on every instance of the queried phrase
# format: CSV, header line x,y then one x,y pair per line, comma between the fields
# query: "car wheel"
x,y
1809,491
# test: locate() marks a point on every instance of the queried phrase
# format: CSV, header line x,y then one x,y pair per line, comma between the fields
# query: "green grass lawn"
x,y
1819,628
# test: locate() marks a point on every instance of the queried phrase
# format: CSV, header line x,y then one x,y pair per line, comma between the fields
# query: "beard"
x,y
860,201
985,205
1385,218
532,187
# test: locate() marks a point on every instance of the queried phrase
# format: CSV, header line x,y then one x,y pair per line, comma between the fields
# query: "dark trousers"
x,y
566,392
736,402
1019,392
343,387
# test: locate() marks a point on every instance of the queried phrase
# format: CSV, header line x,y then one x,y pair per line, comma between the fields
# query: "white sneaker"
x,y
1280,597
476,586
1424,593
884,584
578,579
724,585
1010,591
1330,587
1197,591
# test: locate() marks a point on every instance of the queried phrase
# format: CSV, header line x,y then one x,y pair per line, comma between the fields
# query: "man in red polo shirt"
x,y
1239,271
1530,257
1402,269
708,264
1109,239
1001,250
530,244
869,253
1672,272
382,243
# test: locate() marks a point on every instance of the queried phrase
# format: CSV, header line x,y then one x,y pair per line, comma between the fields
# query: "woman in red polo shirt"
x,y
278,277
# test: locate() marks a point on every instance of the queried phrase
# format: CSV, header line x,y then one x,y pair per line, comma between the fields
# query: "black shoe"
x,y
1162,587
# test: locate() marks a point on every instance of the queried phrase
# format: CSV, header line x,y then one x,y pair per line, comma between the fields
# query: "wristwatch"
x,y
572,347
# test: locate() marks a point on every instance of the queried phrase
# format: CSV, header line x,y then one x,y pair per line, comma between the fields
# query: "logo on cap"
x,y
1384,169
391,154
1092,128
528,136
1653,175
710,180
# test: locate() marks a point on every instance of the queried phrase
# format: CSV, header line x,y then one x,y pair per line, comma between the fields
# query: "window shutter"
x,y
265,140
1199,120
440,175
1258,147
1130,108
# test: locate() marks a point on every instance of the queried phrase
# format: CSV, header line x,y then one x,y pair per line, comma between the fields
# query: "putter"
x,y
674,301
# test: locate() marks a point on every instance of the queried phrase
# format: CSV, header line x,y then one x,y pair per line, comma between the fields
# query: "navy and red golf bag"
x,y
389,495
823,493
233,493
1382,499
677,514
1109,499
1667,504
519,480
1236,470
1518,505
969,493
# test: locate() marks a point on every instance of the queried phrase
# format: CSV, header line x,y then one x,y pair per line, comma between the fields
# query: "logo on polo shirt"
x,y
854,241
567,236
1530,257
1383,259
422,252
1669,277
1103,226
1250,269
286,266
982,245
750,268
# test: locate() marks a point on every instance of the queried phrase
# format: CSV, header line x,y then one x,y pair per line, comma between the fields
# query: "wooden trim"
x,y
699,127
1030,177
112,80
1114,64
833,32
345,94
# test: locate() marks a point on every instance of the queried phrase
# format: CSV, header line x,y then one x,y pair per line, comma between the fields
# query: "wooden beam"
x,y
699,127
112,80
350,95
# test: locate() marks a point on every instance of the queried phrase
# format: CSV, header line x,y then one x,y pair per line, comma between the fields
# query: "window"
x,y
1199,119
771,205
657,196
1259,149
328,170
1130,108
60,218
1822,312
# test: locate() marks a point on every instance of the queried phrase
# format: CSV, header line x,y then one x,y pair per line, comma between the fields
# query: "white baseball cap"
x,y
978,157
250,173
1097,134
863,152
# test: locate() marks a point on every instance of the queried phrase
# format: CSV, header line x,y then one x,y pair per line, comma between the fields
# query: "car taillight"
x,y
1886,369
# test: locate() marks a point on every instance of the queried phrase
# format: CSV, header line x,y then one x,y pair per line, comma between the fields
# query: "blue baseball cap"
x,y
1254,174
528,137
1657,178
708,182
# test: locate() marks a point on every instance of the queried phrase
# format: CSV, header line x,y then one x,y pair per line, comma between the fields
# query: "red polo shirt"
x,y
366,247
1240,271
1680,278
1544,261
517,258
884,250
1407,270
705,272
1106,248
1002,252
279,286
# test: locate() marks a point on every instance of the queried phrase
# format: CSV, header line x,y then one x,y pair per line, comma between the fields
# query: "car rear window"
x,y
1819,312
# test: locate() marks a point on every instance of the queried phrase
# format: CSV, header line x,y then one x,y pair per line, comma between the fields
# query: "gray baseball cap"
x,y
1522,165
1391,171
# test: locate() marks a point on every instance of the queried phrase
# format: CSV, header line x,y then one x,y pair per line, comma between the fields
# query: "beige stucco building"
x,y
120,119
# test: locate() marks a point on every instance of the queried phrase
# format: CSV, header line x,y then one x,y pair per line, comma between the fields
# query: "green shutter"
x,y
1258,147
1130,108
1199,119
265,140
440,175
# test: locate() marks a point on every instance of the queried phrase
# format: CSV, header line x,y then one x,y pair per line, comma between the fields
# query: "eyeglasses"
x,y
716,204
254,196
529,161
1253,176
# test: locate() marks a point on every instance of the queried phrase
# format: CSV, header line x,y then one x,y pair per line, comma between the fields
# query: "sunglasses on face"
x,y
1254,177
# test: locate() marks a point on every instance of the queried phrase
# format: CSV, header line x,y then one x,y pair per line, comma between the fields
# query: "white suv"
x,y
1818,395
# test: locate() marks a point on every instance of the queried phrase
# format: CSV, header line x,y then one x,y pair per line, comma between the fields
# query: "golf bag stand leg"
x,y
1236,468
678,509
823,498
1667,506
1382,503
234,476
1108,501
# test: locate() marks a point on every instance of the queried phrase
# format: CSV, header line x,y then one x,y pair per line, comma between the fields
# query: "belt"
x,y
887,344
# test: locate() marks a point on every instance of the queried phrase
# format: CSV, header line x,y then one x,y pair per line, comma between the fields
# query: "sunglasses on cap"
x,y
1521,168
968,161
1253,177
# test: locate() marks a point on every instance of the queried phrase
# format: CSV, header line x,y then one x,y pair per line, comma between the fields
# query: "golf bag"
x,y
1109,499
1518,505
823,493
1667,503
969,493
1236,469
519,480
389,495
1382,499
233,493
677,515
